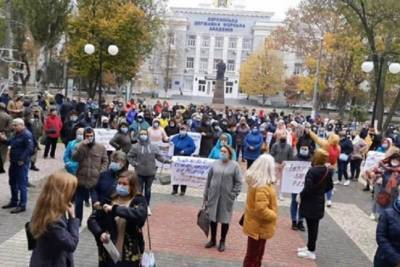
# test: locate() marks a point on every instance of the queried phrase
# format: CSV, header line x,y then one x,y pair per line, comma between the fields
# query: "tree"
x,y
263,72
378,21
103,23
46,20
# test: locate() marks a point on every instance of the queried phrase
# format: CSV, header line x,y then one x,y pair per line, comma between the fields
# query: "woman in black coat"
x,y
207,137
388,237
318,181
121,223
56,236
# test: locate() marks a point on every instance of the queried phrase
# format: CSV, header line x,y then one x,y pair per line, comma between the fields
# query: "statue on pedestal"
x,y
221,68
220,84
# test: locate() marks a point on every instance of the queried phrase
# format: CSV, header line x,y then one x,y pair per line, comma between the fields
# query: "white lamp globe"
x,y
89,49
113,50
394,68
367,66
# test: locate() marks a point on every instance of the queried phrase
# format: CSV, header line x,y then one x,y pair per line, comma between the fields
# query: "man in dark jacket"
x,y
5,127
20,155
346,148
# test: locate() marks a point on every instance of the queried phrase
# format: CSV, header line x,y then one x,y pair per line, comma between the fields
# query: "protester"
x,y
252,145
35,126
20,155
142,157
183,146
346,149
388,236
261,213
15,107
242,130
122,139
120,222
207,137
92,159
5,128
52,129
56,235
70,165
172,128
223,185
70,125
224,140
157,133
360,150
318,181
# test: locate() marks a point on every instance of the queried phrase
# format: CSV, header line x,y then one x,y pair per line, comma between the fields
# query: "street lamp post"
x,y
112,51
316,82
367,67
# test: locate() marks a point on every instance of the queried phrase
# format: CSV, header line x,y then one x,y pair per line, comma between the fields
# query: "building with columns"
x,y
197,38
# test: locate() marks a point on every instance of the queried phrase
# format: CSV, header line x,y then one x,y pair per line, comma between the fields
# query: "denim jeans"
x,y
18,181
145,183
329,195
81,195
342,170
294,209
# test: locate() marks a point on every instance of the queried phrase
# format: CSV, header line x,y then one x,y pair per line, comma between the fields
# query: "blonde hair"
x,y
262,172
53,201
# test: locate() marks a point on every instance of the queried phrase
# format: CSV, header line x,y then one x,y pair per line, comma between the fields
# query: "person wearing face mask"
x,y
172,128
71,124
122,139
216,131
346,149
388,236
207,137
183,146
224,183
70,165
242,129
281,151
121,222
139,124
108,179
164,119
224,140
156,133
52,128
92,160
142,157
252,145
385,146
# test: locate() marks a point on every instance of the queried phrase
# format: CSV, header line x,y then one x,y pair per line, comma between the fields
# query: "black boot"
x,y
294,226
300,226
366,188
221,247
210,244
34,168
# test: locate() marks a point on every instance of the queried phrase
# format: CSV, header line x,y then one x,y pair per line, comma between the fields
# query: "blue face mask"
x,y
223,156
114,166
79,137
254,131
122,190
124,130
143,138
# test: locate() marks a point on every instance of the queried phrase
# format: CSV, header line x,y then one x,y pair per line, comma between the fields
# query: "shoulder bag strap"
x,y
323,178
148,233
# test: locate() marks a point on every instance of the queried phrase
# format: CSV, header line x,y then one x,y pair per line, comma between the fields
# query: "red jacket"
x,y
52,126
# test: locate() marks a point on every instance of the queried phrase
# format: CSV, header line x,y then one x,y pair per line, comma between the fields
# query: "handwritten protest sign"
x,y
190,171
197,141
103,136
373,159
293,175
166,150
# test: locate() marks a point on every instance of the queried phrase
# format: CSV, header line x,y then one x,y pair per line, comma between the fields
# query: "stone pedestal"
x,y
219,96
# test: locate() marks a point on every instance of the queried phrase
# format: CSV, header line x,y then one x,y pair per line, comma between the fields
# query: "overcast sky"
x,y
278,6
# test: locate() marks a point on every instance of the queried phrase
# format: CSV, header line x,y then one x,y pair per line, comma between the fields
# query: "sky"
x,y
278,6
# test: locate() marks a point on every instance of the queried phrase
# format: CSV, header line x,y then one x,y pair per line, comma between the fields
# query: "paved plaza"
x,y
347,236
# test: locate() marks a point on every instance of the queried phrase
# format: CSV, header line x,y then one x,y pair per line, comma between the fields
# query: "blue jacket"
x,y
388,237
254,140
137,126
183,145
56,246
131,116
22,146
105,187
70,165
217,148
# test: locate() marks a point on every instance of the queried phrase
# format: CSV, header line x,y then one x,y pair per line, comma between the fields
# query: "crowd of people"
x,y
244,143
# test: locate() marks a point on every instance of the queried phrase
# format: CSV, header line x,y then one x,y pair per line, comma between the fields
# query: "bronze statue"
x,y
221,67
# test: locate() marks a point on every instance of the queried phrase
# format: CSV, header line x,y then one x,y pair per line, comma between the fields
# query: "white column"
x,y
235,89
197,55
210,67
225,51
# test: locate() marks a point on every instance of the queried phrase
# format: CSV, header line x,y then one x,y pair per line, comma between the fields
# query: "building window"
x,y
232,43
298,68
188,83
205,42
229,87
203,64
246,44
231,65
191,40
190,63
216,61
202,86
219,42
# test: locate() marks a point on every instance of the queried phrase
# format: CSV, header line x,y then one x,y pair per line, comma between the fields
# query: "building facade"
x,y
196,39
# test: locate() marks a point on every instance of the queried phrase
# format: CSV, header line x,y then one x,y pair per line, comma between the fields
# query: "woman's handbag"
x,y
241,221
344,157
203,219
29,237
164,179
148,259
43,139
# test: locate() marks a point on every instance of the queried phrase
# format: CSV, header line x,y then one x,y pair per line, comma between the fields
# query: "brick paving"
x,y
178,242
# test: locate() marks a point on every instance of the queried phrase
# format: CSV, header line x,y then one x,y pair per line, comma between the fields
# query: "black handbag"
x,y
203,220
241,221
29,237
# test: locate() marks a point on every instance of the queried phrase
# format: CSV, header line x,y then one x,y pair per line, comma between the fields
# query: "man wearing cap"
x,y
20,155
5,126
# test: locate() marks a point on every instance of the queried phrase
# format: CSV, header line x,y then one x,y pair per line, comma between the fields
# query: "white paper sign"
x,y
293,176
190,171
373,159
196,139
166,150
103,136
